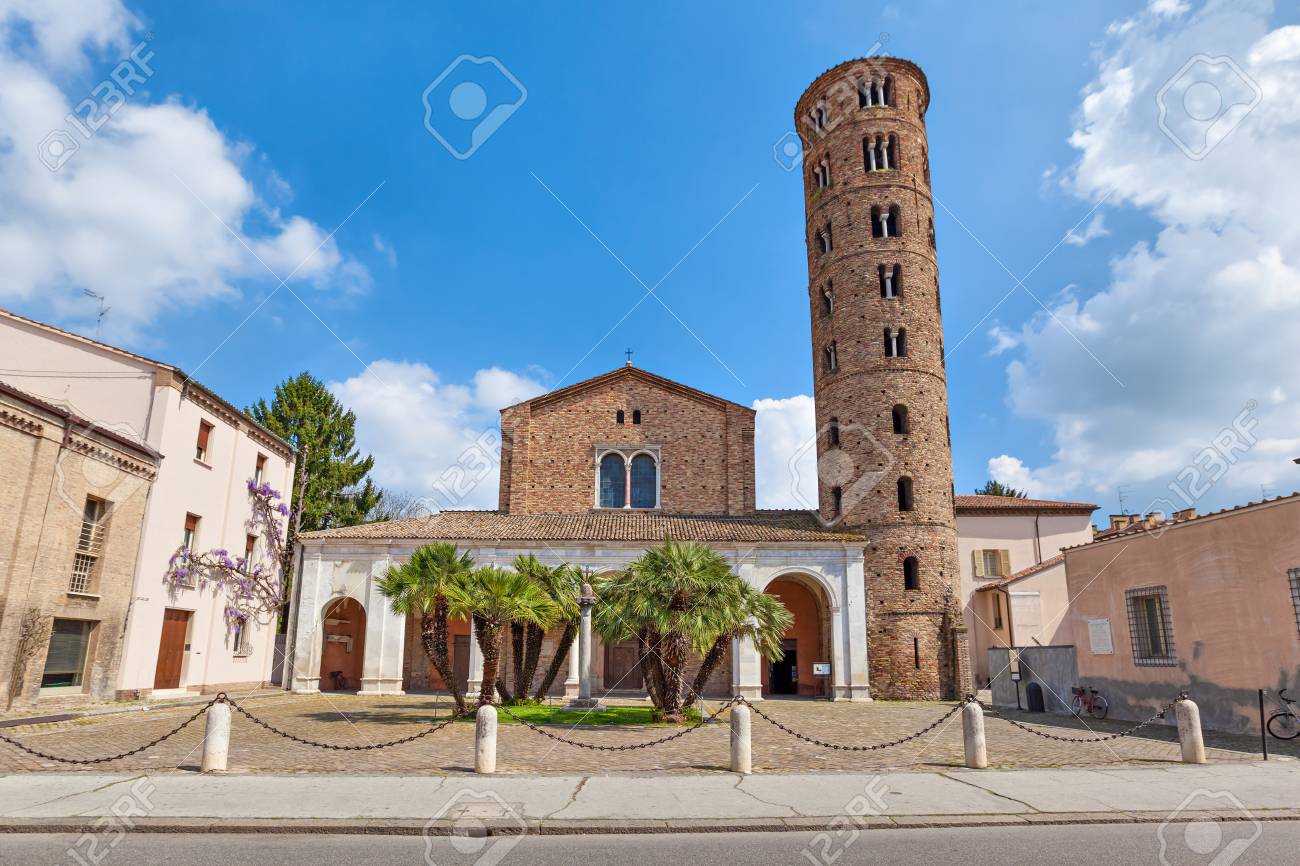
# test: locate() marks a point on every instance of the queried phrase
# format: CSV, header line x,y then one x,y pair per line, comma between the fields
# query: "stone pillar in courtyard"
x,y
584,701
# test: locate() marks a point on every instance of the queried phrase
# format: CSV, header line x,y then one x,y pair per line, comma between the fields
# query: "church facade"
x,y
596,472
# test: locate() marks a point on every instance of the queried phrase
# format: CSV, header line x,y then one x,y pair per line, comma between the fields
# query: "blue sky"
x,y
464,282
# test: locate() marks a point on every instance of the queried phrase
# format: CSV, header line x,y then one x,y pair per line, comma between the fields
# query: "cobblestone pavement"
x,y
357,720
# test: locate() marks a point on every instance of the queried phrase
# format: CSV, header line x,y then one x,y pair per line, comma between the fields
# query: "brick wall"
x,y
914,652
549,445
45,484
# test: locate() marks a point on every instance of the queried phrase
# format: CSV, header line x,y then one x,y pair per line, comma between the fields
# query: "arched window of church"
x,y
613,478
636,416
618,417
645,481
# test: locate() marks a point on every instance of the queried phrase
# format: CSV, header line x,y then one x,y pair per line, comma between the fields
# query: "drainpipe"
x,y
1038,541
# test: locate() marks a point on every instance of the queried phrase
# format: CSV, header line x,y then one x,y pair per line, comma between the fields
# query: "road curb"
x,y
609,826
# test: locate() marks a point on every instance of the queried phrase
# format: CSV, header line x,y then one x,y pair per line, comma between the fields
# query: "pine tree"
x,y
997,488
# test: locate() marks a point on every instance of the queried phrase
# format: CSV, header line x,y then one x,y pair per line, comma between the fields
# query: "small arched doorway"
x,y
343,645
806,643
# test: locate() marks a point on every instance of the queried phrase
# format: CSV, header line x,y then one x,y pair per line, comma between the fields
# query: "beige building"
x,y
71,521
1012,576
1210,604
177,639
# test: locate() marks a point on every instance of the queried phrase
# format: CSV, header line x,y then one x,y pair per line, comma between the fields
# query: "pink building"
x,y
177,640
1012,576
1210,604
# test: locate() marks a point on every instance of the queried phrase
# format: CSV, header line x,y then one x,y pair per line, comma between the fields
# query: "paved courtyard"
x,y
354,720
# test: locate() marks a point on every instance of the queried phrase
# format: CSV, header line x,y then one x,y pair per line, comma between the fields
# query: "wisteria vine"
x,y
253,587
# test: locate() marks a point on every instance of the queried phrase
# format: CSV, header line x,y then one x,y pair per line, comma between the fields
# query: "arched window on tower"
x,y
891,281
831,358
905,493
932,233
645,481
619,417
636,416
824,239
833,433
828,300
876,92
613,479
911,574
895,343
837,501
864,93
885,222
822,174
819,118
901,423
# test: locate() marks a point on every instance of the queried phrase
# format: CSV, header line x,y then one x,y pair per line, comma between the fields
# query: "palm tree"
x,y
753,615
494,597
527,637
677,598
422,585
563,584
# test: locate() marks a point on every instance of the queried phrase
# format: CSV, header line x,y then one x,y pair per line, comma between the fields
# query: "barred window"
x,y
1150,626
90,544
1294,576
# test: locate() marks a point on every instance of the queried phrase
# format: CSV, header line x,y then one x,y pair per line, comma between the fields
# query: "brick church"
x,y
596,472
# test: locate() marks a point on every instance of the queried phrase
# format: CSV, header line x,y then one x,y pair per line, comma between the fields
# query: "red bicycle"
x,y
1088,700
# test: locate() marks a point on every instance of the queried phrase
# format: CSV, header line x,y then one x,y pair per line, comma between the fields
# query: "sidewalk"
x,y
636,803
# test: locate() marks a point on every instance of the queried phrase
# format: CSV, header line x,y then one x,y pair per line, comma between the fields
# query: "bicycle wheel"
x,y
1283,726
1076,705
1099,707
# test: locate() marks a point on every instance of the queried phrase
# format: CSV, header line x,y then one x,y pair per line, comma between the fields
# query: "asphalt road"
x,y
1227,844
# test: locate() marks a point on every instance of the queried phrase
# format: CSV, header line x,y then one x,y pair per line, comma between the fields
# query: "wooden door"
x,y
460,660
622,673
171,649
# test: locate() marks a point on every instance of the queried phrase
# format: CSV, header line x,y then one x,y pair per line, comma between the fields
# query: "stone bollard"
x,y
216,738
972,733
485,740
1189,730
742,754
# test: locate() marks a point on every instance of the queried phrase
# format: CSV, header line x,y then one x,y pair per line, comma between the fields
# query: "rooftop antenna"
x,y
103,309
1123,493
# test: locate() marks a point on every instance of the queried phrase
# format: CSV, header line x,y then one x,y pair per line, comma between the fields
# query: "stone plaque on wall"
x,y
1099,637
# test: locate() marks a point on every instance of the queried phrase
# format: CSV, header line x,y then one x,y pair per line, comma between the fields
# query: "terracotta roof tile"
x,y
763,526
980,503
1024,572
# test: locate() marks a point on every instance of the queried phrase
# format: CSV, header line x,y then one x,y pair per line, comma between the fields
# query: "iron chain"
x,y
627,748
90,761
873,747
432,729
1160,714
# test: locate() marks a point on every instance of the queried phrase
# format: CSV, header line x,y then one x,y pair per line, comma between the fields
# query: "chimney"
x,y
1153,519
1185,514
1121,521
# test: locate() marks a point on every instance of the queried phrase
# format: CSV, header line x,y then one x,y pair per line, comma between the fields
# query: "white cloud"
x,y
785,461
1003,340
1201,322
385,249
1095,229
116,217
432,438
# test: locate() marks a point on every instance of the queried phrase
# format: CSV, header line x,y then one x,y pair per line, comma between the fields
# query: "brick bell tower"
x,y
883,447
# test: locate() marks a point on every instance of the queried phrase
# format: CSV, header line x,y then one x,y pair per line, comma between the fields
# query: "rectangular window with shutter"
x,y
992,563
201,446
259,469
90,544
65,660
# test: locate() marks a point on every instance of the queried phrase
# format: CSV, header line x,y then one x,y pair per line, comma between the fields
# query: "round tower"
x,y
884,451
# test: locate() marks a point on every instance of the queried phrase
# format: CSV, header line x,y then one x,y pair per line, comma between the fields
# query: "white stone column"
x,y
475,681
306,647
852,681
746,670
571,680
381,670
